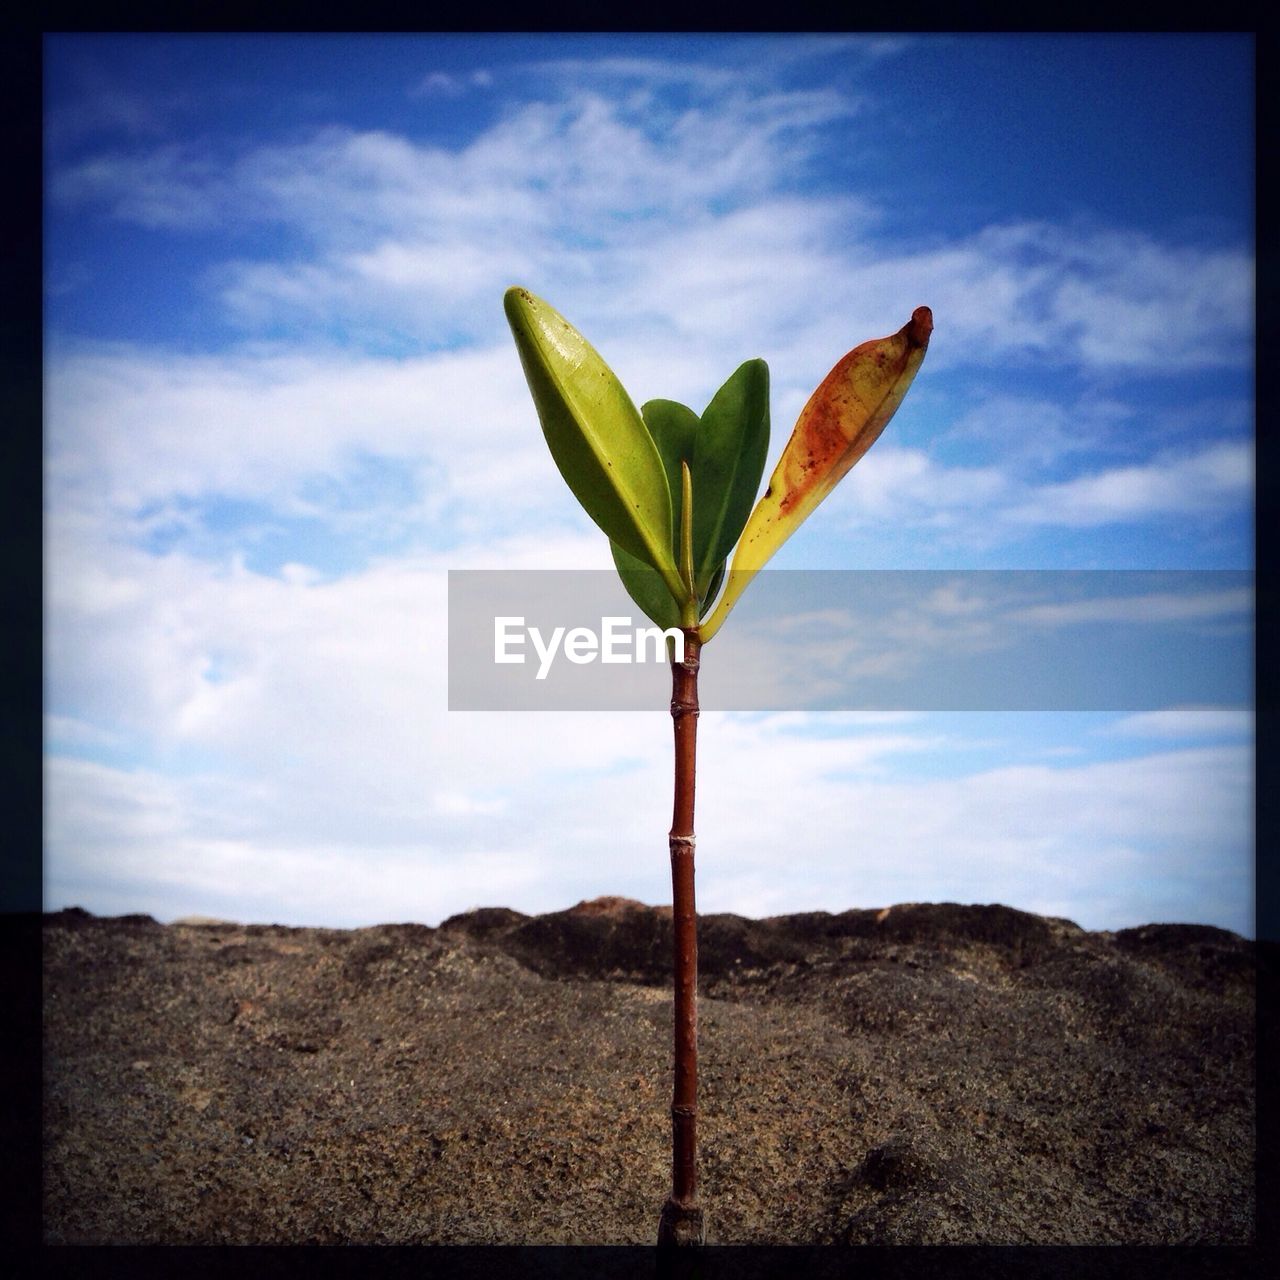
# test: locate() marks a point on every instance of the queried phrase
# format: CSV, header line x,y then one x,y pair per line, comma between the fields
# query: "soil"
x,y
924,1074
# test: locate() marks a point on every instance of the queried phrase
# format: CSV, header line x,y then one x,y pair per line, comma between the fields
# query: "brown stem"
x,y
681,1221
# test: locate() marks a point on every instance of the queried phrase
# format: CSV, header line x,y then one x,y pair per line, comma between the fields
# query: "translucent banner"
x,y
864,640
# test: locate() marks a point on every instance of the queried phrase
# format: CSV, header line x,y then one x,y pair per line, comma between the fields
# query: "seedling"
x,y
673,490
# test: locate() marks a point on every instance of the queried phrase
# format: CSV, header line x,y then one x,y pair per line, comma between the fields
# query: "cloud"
x,y
1078,295
142,841
233,743
160,445
1213,479
1110,844
704,78
128,430
894,483
331,817
451,84
1030,433
742,62
1132,302
425,238
101,106
168,187
985,639
703,208
1154,608
1186,722
999,504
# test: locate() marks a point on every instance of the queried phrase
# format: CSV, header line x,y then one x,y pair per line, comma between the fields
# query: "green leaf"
x,y
646,587
725,450
673,427
599,441
728,461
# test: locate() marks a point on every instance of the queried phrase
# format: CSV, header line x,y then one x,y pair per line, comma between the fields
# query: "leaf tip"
x,y
517,299
920,327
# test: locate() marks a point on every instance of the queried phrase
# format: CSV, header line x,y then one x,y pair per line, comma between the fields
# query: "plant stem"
x,y
681,1222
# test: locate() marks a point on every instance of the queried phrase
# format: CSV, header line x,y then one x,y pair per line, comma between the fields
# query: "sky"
x,y
282,403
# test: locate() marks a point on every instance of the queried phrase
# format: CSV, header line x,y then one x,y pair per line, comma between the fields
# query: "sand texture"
x,y
924,1074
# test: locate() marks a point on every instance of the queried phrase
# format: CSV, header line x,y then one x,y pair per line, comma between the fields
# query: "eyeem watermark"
x,y
864,640
617,641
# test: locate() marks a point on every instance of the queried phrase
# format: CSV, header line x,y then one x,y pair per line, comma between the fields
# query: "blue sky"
x,y
282,402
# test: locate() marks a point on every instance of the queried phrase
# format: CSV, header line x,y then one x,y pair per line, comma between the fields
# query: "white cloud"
x,y
1061,295
134,438
69,733
296,763
169,187
1133,301
1212,479
981,507
892,482
964,640
1109,844
1186,722
137,841
692,213
451,84
1154,608
127,430
649,71
1032,432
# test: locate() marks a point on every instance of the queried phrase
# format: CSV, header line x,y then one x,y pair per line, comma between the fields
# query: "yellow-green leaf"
x,y
673,427
599,441
842,420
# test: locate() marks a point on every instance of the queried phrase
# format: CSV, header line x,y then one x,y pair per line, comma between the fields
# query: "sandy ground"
x,y
922,1074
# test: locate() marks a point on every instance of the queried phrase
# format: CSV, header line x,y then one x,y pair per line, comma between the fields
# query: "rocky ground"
x,y
921,1074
